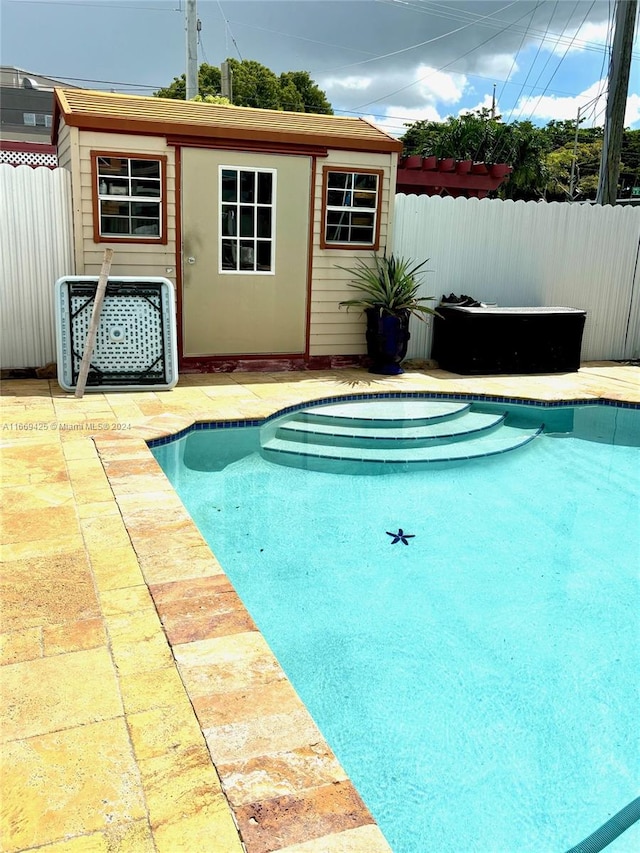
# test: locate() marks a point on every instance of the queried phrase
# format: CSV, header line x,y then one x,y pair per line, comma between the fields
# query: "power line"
x,y
463,15
515,102
564,55
415,46
228,28
442,67
512,149
517,54
302,38
85,5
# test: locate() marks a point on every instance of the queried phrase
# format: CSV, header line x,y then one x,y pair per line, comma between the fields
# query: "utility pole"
x,y
619,68
226,81
572,181
191,17
493,103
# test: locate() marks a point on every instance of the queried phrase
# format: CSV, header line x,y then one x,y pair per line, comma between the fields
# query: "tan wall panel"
x,y
129,258
329,283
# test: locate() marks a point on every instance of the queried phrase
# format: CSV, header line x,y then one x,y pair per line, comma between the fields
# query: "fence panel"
x,y
527,254
36,248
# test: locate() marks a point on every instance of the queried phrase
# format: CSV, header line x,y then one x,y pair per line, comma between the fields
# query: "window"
x,y
36,119
351,202
247,220
129,198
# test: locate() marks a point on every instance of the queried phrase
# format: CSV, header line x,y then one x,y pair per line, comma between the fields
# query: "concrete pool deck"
x,y
141,708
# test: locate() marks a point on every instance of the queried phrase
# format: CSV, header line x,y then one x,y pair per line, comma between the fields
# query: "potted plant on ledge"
x,y
389,296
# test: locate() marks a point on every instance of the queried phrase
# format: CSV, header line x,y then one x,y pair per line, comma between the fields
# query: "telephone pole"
x,y
619,68
191,18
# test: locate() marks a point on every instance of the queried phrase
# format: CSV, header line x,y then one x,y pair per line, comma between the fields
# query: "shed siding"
x,y
335,331
64,146
144,259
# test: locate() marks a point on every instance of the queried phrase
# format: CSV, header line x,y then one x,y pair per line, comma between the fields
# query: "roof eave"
x,y
87,121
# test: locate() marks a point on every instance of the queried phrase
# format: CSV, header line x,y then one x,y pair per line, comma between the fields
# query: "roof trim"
x,y
180,141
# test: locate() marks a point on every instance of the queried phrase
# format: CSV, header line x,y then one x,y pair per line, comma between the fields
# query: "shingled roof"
x,y
167,117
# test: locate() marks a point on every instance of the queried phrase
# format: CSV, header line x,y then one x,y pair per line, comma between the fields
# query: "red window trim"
x,y
373,247
163,239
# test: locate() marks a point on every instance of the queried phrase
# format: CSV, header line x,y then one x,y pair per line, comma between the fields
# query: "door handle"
x,y
191,260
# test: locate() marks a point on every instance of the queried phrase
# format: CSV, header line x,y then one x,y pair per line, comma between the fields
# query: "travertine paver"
x,y
128,661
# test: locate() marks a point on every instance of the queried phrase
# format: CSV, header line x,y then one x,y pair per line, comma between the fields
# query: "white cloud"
x,y
497,66
632,113
395,119
577,40
438,86
351,83
548,107
485,103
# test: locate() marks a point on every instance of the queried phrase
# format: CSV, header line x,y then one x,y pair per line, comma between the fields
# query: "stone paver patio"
x,y
141,708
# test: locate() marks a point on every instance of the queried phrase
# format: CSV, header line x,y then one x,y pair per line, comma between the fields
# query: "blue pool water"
x,y
481,684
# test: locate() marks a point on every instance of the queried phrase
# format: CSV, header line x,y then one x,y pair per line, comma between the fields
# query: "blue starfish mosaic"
x,y
401,536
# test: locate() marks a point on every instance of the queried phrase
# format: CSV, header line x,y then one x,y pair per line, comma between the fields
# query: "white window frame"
x,y
256,206
29,119
104,196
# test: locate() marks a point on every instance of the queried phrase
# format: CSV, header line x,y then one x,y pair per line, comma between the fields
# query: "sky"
x,y
391,61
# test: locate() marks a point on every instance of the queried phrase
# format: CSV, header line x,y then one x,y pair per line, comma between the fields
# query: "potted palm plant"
x,y
388,297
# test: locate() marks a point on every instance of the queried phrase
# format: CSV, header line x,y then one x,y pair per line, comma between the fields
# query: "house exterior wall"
x,y
333,330
134,258
18,103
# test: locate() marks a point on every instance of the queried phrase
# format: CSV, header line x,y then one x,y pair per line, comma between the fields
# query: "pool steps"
x,y
390,434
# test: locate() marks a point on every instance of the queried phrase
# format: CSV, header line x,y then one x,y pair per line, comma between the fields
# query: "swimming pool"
x,y
480,684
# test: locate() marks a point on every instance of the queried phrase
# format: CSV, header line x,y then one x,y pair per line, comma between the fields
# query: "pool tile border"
x,y
390,395
302,794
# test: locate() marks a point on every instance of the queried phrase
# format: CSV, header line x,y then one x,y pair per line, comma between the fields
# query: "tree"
x,y
586,168
208,84
255,85
311,95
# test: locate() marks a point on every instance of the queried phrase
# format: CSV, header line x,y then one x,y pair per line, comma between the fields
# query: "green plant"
x,y
390,285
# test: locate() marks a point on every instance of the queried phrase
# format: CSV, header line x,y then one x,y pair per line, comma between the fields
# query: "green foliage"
x,y
390,284
312,98
212,99
255,85
208,84
478,137
540,157
586,170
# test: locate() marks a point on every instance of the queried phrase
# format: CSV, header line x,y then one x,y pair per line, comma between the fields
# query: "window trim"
x,y
162,239
272,206
375,245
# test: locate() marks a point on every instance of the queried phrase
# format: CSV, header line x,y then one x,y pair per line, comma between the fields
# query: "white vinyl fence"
x,y
512,253
526,254
36,248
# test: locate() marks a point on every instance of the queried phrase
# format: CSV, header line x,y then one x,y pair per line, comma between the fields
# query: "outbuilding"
x,y
251,213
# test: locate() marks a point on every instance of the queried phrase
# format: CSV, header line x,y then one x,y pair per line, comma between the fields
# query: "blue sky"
x,y
393,61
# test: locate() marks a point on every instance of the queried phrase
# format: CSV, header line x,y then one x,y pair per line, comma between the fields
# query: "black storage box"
x,y
508,340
